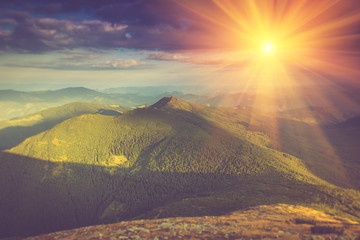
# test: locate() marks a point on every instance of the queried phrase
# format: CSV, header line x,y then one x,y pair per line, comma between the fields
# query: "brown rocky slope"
x,y
278,221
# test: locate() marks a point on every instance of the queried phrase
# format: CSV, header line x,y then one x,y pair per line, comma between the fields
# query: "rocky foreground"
x,y
279,221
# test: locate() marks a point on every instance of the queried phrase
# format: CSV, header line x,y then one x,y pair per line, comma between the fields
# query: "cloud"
x,y
111,64
80,56
28,34
134,12
38,35
39,26
80,60
199,60
164,56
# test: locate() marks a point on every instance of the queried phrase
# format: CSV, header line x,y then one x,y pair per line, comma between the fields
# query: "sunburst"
x,y
288,44
313,36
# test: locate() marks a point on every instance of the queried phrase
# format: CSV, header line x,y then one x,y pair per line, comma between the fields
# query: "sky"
x,y
262,44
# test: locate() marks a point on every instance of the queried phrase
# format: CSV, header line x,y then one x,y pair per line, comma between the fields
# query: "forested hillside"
x,y
330,152
13,132
171,159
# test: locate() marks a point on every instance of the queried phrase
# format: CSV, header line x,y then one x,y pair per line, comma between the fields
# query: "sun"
x,y
268,48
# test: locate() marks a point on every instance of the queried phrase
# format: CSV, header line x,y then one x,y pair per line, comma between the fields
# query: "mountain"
x,y
241,99
166,124
334,105
145,91
15,104
352,123
11,95
318,115
50,96
158,90
329,152
260,222
171,159
174,103
12,132
306,105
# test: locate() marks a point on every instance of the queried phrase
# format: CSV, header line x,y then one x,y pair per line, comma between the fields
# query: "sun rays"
x,y
310,34
287,53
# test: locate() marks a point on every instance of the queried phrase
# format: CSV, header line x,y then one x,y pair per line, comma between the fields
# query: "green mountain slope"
x,y
158,140
330,152
171,159
13,132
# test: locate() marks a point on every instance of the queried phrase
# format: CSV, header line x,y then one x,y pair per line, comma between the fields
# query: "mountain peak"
x,y
173,102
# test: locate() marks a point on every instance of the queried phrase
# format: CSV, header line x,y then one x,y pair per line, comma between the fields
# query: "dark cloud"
x,y
141,12
37,35
44,26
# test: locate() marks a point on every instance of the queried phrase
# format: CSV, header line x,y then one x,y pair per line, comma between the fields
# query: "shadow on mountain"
x,y
108,112
39,196
345,138
330,155
12,136
325,151
329,152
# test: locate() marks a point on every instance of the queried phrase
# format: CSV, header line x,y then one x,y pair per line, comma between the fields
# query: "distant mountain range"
x,y
15,104
49,96
173,158
310,107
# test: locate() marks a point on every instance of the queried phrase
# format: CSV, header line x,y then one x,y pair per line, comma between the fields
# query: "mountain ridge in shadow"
x,y
46,196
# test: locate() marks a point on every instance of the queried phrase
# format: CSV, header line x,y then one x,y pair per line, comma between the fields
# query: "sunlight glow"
x,y
268,48
317,49
284,39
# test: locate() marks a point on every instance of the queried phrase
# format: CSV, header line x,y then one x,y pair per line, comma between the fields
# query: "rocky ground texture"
x,y
279,221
